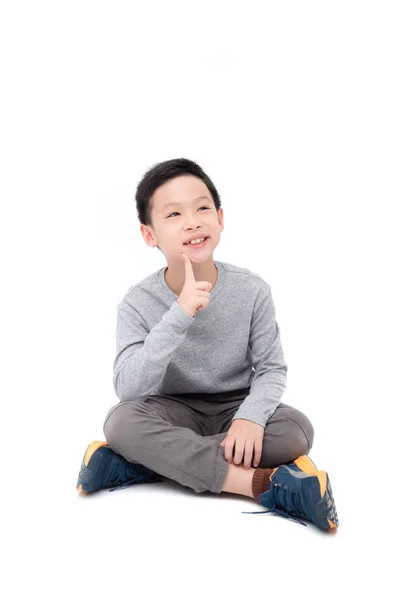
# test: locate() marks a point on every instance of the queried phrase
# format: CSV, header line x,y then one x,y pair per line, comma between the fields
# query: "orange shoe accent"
x,y
91,449
270,477
306,464
332,525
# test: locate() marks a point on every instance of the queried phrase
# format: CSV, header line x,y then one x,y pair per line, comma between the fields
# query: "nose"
x,y
188,228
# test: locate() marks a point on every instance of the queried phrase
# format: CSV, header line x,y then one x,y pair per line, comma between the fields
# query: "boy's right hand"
x,y
195,295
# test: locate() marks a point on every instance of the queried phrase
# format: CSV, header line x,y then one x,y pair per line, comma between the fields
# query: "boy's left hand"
x,y
246,436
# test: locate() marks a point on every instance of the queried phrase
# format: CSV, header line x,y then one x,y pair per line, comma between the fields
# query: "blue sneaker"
x,y
102,468
298,489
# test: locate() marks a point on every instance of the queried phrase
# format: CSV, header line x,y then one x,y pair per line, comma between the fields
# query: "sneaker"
x,y
102,468
298,489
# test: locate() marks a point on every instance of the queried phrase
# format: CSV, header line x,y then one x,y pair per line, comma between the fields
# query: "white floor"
x,y
152,540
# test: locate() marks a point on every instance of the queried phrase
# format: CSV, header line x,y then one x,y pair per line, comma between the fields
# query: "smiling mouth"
x,y
194,245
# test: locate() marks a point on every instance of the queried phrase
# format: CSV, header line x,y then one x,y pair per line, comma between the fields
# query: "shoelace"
x,y
127,482
120,473
282,496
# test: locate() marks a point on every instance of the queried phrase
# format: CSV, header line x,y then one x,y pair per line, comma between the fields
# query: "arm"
x,y
269,380
143,356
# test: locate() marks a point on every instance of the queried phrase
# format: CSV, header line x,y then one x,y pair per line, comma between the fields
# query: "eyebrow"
x,y
195,200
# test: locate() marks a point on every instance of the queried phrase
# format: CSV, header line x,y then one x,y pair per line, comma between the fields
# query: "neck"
x,y
175,276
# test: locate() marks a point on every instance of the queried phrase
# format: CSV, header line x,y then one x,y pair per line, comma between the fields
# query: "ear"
x,y
221,218
148,236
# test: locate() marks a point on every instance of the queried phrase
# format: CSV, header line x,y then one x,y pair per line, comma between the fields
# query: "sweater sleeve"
x,y
143,356
269,381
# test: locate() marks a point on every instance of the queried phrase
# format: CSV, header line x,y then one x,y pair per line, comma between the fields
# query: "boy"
x,y
199,369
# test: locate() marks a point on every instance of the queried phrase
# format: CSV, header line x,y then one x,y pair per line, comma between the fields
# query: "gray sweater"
x,y
234,343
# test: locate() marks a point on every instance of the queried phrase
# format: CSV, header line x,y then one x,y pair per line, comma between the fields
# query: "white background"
x,y
292,108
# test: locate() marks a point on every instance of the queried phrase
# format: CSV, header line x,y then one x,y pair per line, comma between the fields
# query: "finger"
x,y
228,450
204,303
257,452
248,454
202,292
189,275
239,449
204,286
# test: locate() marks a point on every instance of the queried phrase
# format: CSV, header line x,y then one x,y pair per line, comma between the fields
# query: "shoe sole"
x,y
85,474
326,509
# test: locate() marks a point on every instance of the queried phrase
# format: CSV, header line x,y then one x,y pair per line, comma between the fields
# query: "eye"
x,y
176,213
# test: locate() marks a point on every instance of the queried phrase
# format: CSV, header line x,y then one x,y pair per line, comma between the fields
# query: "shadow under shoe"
x,y
103,468
298,489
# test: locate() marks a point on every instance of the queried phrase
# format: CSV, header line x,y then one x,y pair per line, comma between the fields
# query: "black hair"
x,y
162,172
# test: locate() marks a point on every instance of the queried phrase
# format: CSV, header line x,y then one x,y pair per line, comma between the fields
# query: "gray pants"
x,y
179,436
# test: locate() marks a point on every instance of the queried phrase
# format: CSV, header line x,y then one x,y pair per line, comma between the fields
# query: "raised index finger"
x,y
189,275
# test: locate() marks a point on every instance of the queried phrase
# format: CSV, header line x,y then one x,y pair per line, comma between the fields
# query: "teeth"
x,y
196,241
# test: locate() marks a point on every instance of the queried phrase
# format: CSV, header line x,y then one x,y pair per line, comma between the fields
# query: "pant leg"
x,y
169,438
288,434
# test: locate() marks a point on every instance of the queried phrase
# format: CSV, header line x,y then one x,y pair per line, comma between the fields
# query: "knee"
x,y
111,426
301,432
288,435
119,425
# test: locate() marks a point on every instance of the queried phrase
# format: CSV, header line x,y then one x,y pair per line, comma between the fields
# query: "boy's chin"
x,y
205,257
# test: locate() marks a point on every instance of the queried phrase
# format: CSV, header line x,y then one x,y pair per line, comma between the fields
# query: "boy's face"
x,y
183,207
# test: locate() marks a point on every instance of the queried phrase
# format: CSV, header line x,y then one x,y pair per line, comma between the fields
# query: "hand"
x,y
245,436
195,295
